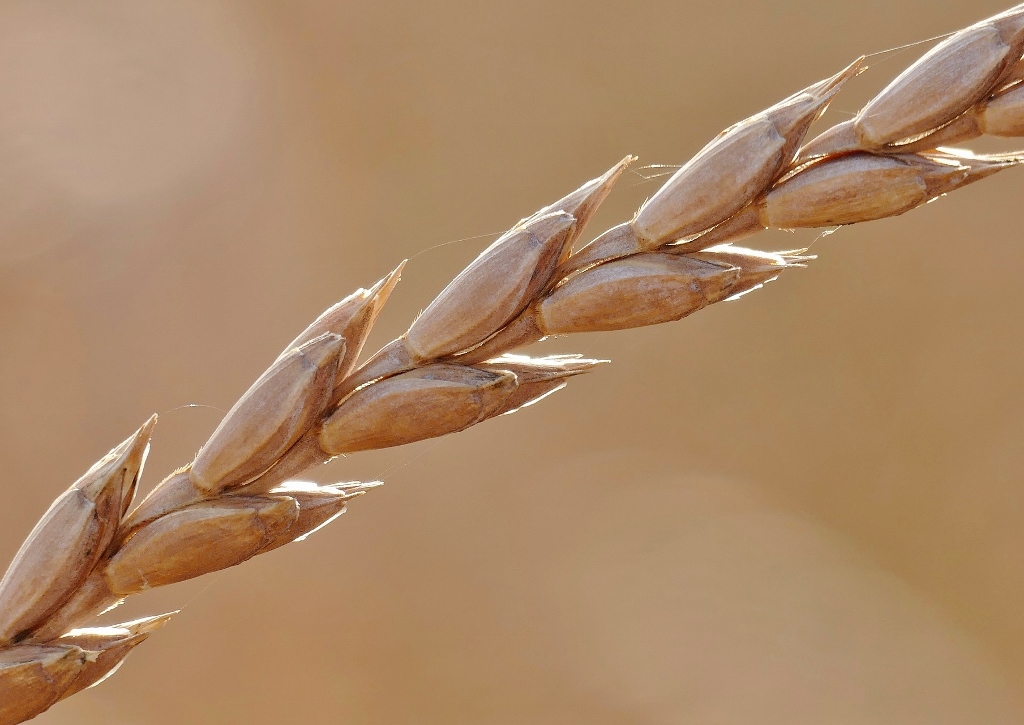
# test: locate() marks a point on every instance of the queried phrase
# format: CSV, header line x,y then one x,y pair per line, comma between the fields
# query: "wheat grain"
x,y
453,368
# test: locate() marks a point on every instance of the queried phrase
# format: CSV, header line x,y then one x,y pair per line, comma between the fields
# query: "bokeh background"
x,y
802,507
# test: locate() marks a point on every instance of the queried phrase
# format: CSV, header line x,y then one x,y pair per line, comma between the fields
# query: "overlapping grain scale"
x,y
723,177
305,454
857,187
351,319
635,291
651,288
756,267
424,403
198,539
734,168
979,166
67,542
746,222
1001,114
937,91
272,415
91,599
174,492
484,296
538,377
953,76
583,202
1015,74
184,540
494,288
107,647
33,677
318,506
126,462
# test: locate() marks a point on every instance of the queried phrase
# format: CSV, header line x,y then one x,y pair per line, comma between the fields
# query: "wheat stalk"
x,y
455,366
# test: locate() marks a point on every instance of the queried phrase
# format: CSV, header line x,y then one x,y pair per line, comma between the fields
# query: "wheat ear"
x,y
454,366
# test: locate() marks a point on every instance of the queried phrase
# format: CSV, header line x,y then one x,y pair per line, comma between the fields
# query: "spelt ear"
x,y
454,368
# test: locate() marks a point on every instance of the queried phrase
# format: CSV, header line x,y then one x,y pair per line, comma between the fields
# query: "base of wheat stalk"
x,y
455,366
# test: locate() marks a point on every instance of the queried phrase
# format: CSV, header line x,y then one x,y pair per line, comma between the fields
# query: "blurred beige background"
x,y
802,507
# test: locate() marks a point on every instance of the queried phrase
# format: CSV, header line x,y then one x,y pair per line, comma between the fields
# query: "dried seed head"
x,y
645,289
107,647
318,506
945,82
67,542
272,415
197,540
351,319
33,677
425,403
857,188
493,289
1003,115
734,168
538,377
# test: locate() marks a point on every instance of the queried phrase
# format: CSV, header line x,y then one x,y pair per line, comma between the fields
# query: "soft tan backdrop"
x,y
803,507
